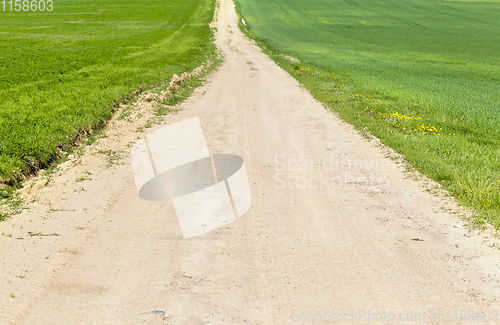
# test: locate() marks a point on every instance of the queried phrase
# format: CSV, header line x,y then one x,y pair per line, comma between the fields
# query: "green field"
x,y
423,76
61,71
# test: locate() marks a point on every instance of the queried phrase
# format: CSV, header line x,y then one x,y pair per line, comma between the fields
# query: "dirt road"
x,y
335,226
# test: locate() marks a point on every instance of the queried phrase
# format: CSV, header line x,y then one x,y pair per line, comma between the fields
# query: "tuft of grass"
x,y
113,156
87,177
6,192
125,113
420,75
40,234
12,203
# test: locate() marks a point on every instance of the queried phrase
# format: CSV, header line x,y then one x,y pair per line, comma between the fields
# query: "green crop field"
x,y
61,70
422,75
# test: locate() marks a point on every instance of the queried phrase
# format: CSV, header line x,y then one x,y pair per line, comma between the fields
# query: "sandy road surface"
x,y
334,225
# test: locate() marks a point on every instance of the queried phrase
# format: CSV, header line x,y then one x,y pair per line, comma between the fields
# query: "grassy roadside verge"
x,y
62,73
162,98
458,148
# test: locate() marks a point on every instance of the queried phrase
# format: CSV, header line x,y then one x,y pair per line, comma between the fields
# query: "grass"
x,y
423,76
61,72
39,234
113,157
189,84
